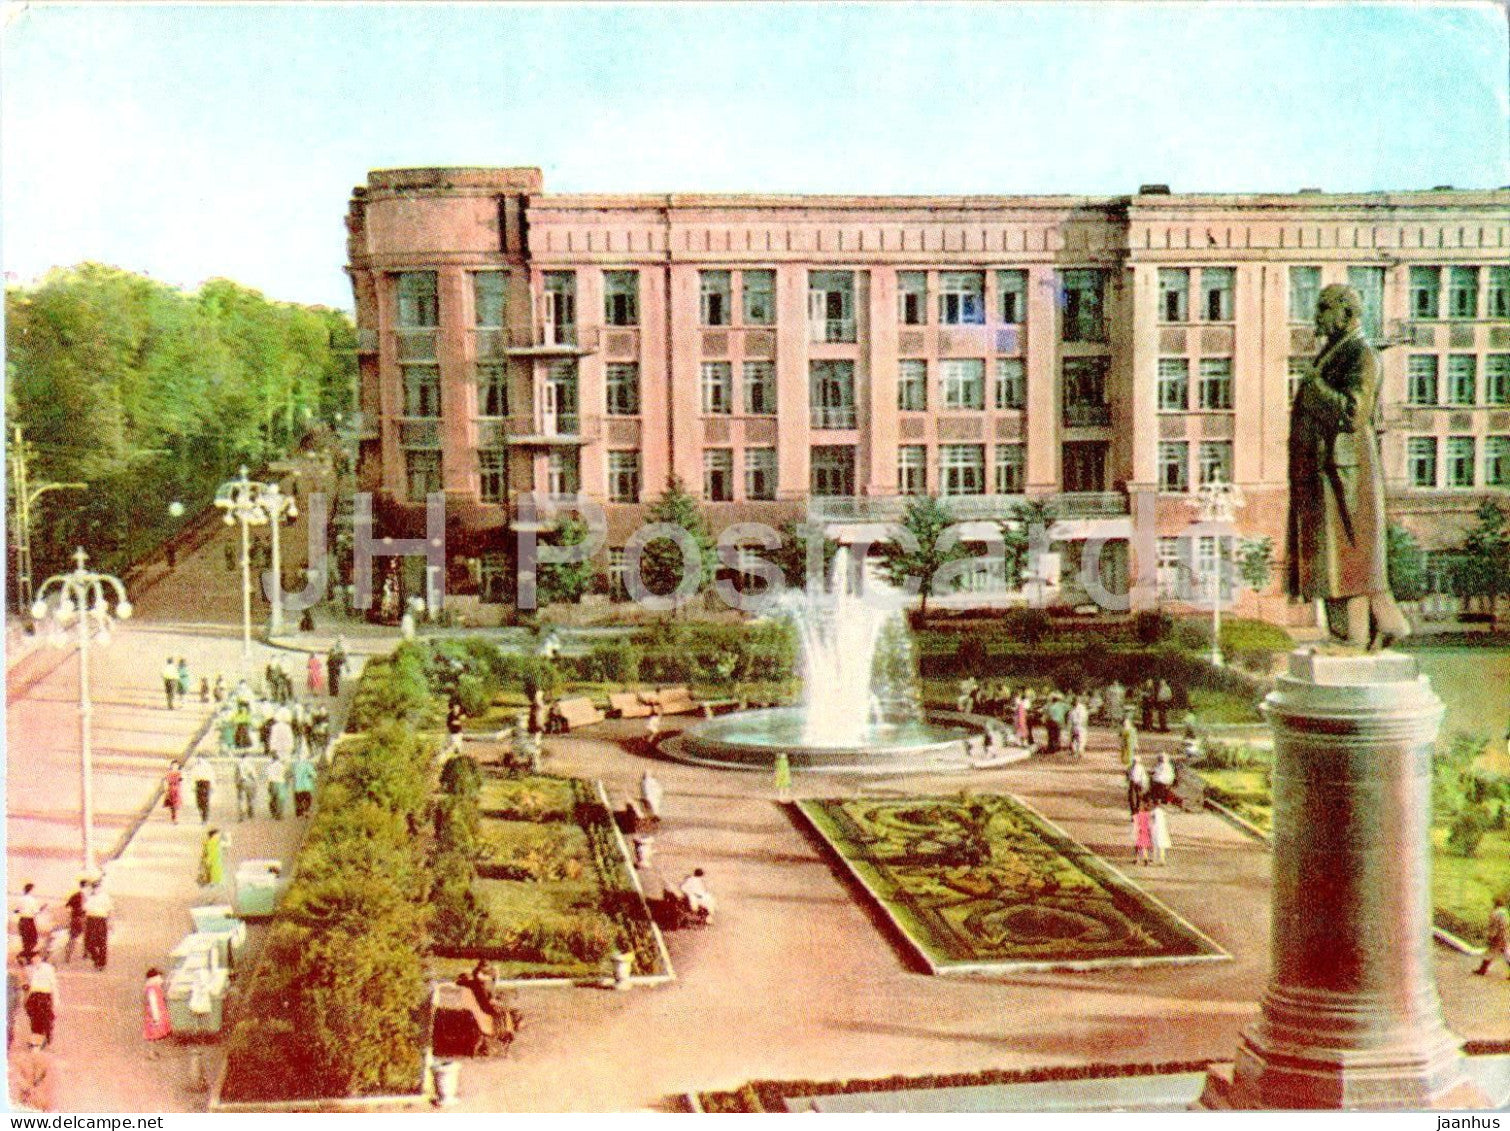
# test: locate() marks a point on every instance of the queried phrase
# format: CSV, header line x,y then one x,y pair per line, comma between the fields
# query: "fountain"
x,y
860,707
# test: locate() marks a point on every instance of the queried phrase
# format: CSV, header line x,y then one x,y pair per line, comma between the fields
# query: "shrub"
x,y
1027,626
539,674
475,694
460,775
615,663
1467,831
1152,626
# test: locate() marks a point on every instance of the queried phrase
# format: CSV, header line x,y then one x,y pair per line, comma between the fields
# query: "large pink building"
x,y
830,356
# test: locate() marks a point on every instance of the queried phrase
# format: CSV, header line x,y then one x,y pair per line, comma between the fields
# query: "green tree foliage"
x,y
1484,569
1407,565
1255,562
152,395
565,582
1017,533
662,564
791,556
926,519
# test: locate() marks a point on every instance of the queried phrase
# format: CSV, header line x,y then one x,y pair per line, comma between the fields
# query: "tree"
x,y
1484,568
1255,562
926,520
662,563
565,581
1017,534
792,555
1406,564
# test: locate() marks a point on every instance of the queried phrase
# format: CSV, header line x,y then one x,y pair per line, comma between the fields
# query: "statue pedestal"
x,y
1351,1017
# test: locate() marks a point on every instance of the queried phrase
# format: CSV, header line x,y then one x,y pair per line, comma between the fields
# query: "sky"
x,y
188,142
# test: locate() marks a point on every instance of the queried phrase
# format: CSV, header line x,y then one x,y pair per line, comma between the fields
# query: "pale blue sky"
x,y
189,141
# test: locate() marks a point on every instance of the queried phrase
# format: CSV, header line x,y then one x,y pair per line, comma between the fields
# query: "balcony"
x,y
542,429
550,339
965,508
1087,415
840,418
832,329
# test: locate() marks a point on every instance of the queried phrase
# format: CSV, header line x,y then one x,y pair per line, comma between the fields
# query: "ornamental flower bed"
x,y
553,887
981,882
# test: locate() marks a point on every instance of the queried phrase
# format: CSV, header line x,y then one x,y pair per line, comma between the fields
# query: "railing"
x,y
964,508
540,428
419,433
832,329
1087,415
822,417
568,337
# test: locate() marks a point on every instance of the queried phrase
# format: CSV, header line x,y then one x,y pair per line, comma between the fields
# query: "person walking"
x,y
652,793
217,692
97,908
212,859
173,792
314,675
1137,784
1163,700
202,774
183,679
1158,826
1498,942
1054,714
1163,780
1127,740
246,790
335,664
280,735
304,786
276,776
28,908
170,680
1020,717
156,1024
1142,824
42,1000
454,717
76,919
1080,721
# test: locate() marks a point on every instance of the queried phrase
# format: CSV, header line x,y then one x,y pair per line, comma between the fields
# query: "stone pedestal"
x,y
1351,1017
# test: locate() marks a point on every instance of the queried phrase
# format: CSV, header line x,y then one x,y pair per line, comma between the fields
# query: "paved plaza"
x,y
798,978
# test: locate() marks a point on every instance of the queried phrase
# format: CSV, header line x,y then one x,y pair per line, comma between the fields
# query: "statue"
x,y
1336,536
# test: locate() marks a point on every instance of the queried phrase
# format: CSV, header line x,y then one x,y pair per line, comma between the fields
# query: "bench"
x,y
627,705
675,701
569,714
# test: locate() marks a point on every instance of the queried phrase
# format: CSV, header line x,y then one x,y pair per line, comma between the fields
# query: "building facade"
x,y
826,358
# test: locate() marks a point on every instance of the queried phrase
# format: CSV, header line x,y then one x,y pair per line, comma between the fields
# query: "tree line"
x,y
152,395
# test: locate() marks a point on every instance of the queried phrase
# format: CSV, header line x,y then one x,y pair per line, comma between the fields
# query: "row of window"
x,y
1213,464
1421,384
961,469
1461,461
1462,292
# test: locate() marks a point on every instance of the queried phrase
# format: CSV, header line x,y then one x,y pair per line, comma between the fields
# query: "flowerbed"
x,y
982,882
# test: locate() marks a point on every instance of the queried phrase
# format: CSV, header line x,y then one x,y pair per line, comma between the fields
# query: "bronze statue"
x,y
1336,537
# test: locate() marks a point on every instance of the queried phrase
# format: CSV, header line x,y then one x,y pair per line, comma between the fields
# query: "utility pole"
x,y
24,498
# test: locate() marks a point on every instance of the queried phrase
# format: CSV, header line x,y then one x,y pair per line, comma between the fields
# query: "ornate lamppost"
x,y
277,507
1217,504
240,498
82,598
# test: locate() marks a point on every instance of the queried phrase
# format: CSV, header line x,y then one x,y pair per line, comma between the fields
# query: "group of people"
x,y
1064,716
1150,795
694,898
32,980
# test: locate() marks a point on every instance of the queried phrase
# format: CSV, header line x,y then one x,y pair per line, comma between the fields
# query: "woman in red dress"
x,y
155,1022
173,792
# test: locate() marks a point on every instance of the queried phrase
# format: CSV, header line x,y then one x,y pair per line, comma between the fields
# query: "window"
x,y
1211,550
492,476
831,391
1084,391
912,297
418,301
760,388
621,298
760,296
1462,292
623,388
912,385
1215,392
563,472
831,305
1497,378
492,389
1298,368
1172,570
718,388
962,298
1462,378
1421,379
962,469
1012,296
1174,466
833,471
618,570
1305,289
1174,294
560,417
421,473
1083,301
1011,464
1084,466
1425,292
489,297
421,390
713,286
963,381
1421,460
1369,283
1499,293
560,308
623,477
1011,383
494,577
1216,461
912,470
1497,461
1216,293
1460,461
760,473
1174,384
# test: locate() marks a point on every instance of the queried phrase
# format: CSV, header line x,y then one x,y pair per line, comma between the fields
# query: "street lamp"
x,y
1217,503
82,597
239,498
278,507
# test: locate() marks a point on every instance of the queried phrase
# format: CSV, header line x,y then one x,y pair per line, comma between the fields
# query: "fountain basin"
x,y
750,740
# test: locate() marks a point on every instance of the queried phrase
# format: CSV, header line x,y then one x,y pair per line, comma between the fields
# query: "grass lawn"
x,y
1245,792
984,882
1474,685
